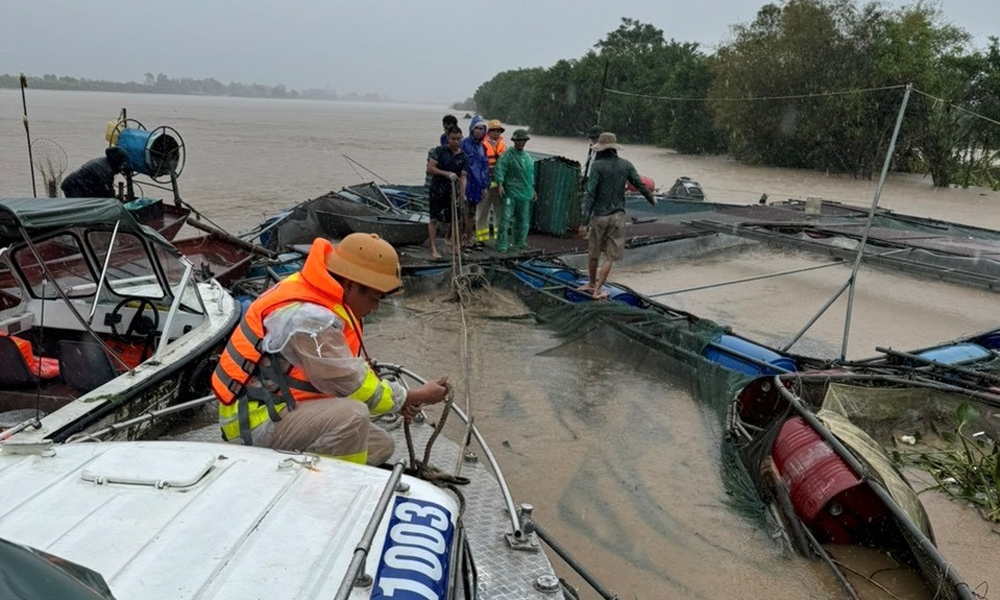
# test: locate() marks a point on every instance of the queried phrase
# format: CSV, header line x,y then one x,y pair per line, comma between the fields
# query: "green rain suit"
x,y
515,171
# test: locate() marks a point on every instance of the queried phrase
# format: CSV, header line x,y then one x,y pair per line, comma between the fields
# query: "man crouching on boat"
x,y
295,374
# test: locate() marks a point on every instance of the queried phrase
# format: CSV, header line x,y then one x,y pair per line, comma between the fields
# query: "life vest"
x,y
493,151
40,366
243,360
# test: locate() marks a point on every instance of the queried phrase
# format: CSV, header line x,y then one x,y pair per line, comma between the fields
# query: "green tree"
x,y
506,96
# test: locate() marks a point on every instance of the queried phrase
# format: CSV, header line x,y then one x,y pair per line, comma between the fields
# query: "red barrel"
x,y
829,498
646,181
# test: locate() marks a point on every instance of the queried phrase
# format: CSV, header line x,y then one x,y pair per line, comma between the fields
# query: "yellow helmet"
x,y
495,124
367,259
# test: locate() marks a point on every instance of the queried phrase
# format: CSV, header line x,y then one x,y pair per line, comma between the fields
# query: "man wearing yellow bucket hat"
x,y
295,374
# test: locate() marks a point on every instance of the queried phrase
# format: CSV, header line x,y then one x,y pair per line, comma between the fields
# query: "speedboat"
x,y
185,518
101,319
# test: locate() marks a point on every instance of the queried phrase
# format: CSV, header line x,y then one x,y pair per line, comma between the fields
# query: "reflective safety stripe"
x,y
357,458
374,393
483,235
229,419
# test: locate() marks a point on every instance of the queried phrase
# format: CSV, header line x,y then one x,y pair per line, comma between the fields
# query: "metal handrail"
x,y
148,416
515,521
528,526
364,545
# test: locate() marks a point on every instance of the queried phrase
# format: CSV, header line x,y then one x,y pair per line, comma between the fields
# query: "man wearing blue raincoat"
x,y
478,181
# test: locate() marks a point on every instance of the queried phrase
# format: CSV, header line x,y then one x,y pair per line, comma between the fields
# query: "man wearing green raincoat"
x,y
515,178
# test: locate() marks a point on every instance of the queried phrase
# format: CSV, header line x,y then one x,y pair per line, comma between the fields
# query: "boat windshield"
x,y
174,269
29,574
130,269
65,261
10,291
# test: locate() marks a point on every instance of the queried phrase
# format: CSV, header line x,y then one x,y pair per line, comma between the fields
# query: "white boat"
x,y
101,319
186,519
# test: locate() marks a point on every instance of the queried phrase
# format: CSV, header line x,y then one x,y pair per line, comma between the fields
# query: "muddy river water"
x,y
621,463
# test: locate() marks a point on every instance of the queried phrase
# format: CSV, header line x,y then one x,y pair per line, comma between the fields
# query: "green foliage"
x,y
506,96
792,56
566,98
969,469
468,104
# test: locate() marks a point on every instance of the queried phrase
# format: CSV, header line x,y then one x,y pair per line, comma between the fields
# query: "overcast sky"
x,y
408,50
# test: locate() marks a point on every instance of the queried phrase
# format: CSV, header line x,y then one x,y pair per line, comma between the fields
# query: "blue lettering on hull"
x,y
416,555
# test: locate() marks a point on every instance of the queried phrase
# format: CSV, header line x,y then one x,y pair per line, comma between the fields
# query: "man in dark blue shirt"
x,y
449,170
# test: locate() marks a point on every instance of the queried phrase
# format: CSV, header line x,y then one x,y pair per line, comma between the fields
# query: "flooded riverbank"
x,y
620,460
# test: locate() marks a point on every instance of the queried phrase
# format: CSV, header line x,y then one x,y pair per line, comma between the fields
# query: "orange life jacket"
x,y
241,360
40,366
493,151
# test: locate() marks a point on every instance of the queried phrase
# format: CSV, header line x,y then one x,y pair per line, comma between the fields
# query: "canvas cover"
x,y
38,216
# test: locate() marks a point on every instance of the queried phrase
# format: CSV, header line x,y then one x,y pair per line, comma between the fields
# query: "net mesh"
x,y
866,418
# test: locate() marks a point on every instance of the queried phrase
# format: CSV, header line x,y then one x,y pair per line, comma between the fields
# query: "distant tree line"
x,y
161,84
813,84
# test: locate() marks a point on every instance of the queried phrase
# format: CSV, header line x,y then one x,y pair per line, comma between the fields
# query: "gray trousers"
x,y
337,427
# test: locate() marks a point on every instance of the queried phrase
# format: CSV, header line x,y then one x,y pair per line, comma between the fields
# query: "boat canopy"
x,y
41,215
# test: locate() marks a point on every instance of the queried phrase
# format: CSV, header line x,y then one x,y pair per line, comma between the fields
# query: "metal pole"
x,y
104,273
149,416
515,521
27,133
600,97
590,150
351,160
960,587
940,365
356,568
871,217
816,317
745,279
986,398
569,560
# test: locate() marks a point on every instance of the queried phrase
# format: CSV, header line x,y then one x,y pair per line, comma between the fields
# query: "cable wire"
x,y
757,98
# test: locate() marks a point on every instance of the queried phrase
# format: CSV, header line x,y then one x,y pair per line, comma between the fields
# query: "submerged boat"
x,y
548,287
328,215
101,318
397,231
184,519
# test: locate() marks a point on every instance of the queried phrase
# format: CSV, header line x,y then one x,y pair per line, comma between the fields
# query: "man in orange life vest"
x,y
295,374
495,146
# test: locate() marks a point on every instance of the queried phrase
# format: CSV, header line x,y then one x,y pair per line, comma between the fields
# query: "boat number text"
x,y
415,557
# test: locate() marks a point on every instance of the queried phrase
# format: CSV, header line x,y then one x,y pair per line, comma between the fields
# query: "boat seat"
x,y
84,366
14,370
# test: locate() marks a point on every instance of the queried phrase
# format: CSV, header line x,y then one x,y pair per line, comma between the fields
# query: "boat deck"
x,y
504,573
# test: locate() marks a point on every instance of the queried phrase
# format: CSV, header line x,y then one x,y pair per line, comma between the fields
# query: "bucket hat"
x,y
607,140
520,134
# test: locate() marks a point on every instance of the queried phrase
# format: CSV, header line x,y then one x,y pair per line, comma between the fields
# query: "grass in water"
x,y
968,469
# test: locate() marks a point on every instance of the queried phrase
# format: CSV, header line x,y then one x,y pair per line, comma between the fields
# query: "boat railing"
x,y
512,510
174,307
356,570
521,530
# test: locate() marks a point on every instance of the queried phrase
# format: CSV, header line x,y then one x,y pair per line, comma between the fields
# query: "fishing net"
x,y
678,342
866,418
51,161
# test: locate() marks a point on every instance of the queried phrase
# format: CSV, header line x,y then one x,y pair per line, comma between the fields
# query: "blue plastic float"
x,y
733,353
